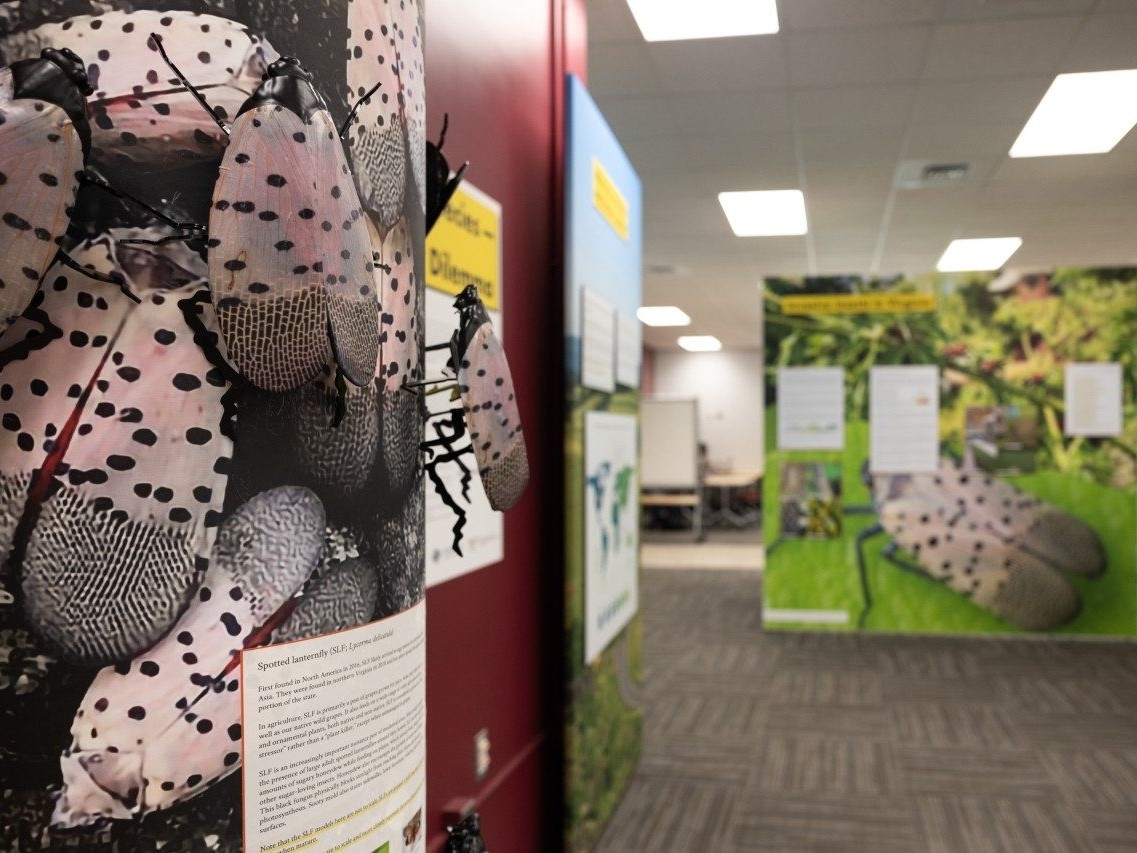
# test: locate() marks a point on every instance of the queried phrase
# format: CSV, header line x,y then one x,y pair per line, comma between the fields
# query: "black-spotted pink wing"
x,y
113,459
489,403
388,141
290,261
165,726
44,139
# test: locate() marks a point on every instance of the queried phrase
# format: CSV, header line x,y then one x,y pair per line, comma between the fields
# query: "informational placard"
x,y
1093,399
904,419
629,350
483,534
598,342
611,525
464,247
335,726
811,408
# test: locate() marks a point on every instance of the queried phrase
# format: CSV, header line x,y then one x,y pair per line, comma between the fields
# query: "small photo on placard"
x,y
1093,399
811,408
1001,439
810,500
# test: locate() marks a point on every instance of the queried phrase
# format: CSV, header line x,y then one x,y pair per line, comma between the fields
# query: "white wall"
x,y
729,388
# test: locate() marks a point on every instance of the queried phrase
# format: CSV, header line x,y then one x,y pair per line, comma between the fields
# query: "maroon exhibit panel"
x,y
493,636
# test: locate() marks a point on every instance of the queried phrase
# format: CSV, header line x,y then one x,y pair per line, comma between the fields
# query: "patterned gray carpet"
x,y
815,742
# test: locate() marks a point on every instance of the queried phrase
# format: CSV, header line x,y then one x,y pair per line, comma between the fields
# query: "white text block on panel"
x,y
335,738
811,408
629,350
1093,399
904,419
597,343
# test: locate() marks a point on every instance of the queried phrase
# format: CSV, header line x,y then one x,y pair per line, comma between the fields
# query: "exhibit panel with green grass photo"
x,y
952,454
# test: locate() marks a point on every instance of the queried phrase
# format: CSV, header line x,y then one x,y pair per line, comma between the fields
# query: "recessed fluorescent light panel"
x,y
765,213
984,253
662,315
679,20
700,343
1086,113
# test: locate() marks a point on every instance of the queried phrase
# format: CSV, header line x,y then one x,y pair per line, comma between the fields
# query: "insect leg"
x,y
862,537
157,39
351,115
440,487
889,553
113,278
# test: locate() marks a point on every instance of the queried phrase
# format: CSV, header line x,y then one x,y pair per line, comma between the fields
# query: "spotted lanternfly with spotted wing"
x,y
165,726
114,452
440,186
141,116
488,400
44,142
1006,551
489,413
290,259
388,143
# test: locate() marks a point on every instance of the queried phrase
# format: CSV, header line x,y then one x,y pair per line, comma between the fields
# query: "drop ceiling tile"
x,y
998,48
734,113
850,179
1105,42
852,144
720,65
975,10
652,156
769,159
1010,100
842,14
620,69
847,106
635,117
950,142
849,57
611,21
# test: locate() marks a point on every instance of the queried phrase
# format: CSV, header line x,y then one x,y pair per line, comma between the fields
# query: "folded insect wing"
x,y
490,405
1060,539
962,554
44,139
166,725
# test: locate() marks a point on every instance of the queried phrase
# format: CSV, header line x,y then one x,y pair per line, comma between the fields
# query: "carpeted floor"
x,y
763,741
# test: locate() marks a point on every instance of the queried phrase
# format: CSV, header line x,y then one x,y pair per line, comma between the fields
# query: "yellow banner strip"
x,y
860,303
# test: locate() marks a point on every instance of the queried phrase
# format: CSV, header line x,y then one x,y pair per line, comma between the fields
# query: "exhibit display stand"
x,y
603,259
952,454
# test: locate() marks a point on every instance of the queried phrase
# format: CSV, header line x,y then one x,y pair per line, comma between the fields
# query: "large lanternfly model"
x,y
489,412
290,257
1005,551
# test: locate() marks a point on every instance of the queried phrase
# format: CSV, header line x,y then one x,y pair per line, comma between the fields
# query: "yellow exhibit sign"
x,y
608,200
464,247
860,303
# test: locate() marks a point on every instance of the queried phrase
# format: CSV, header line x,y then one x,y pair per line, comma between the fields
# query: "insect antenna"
x,y
157,39
354,110
90,178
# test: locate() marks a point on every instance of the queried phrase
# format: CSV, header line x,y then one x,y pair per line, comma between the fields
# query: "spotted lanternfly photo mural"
x,y
205,442
1004,498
